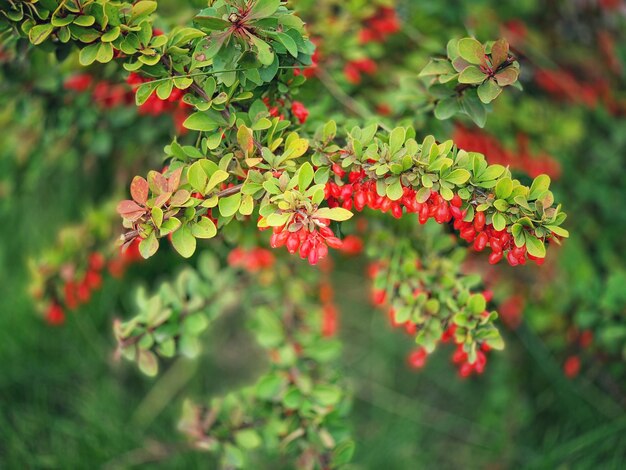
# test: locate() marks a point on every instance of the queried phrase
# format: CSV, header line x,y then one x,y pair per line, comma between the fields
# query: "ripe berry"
x,y
55,314
479,221
417,359
571,367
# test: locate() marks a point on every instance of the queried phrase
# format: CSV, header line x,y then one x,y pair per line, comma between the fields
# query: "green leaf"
x,y
540,185
211,23
229,205
289,43
149,246
394,190
305,176
472,75
471,50
263,9
535,246
184,242
475,109
277,220
446,108
248,439
268,387
560,231
245,140
477,304
326,395
247,205
498,221
396,139
105,52
504,188
201,121
458,177
216,178
143,8
264,51
87,55
143,92
492,172
170,225
157,216
422,194
197,177
342,454
436,67
204,228
40,33
489,91
164,89
338,214
111,35
148,363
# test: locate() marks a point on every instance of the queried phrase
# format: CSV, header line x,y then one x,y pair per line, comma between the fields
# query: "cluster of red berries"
x,y
298,110
78,292
571,366
375,29
474,140
360,193
251,260
111,95
355,68
105,94
564,86
383,23
460,357
416,359
501,242
310,244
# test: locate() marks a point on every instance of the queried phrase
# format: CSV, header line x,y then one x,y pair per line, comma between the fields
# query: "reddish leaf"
x,y
508,76
157,182
499,52
130,210
174,180
139,190
162,199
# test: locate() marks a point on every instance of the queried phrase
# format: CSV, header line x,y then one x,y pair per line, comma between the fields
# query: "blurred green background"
x,y
66,403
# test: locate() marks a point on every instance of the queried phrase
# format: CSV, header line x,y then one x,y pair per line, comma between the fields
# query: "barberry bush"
x,y
270,142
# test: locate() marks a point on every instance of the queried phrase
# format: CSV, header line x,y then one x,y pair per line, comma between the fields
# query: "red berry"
x,y
299,111
495,257
417,359
479,221
481,241
571,367
293,242
55,314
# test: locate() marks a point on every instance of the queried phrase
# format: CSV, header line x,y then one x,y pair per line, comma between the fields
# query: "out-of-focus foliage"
x,y
63,151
